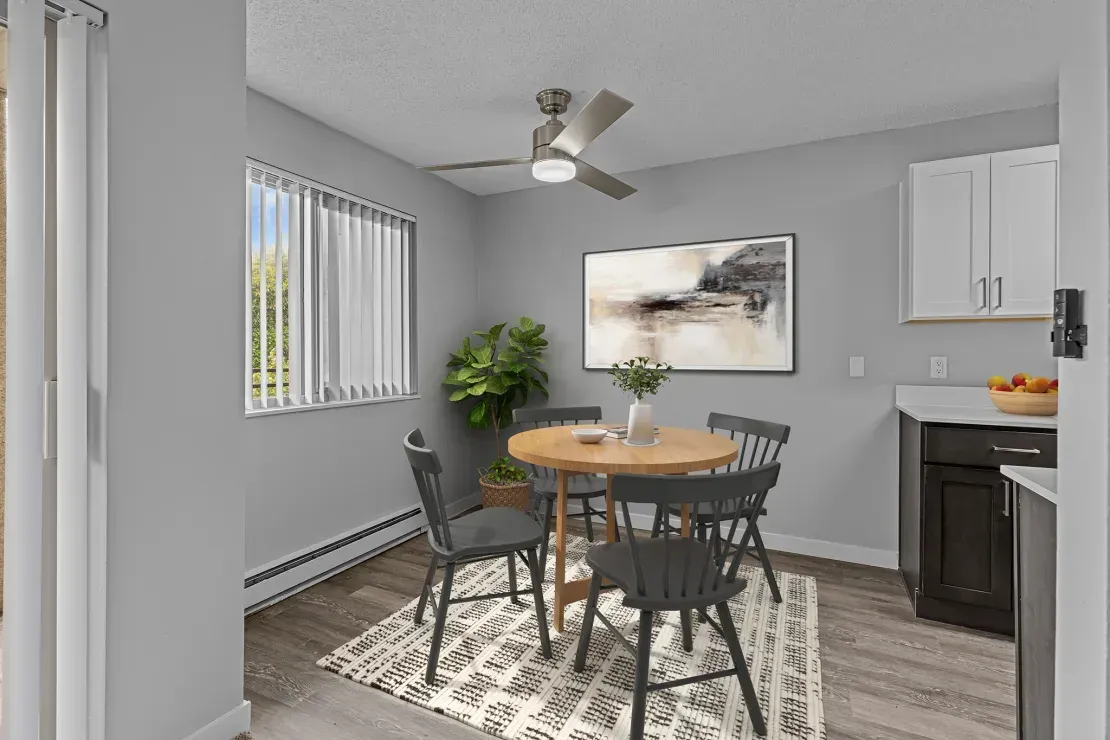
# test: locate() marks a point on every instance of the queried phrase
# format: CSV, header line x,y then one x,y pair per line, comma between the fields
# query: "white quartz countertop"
x,y
960,405
1041,481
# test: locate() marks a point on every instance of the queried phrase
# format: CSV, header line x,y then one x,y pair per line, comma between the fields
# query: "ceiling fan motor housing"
x,y
542,137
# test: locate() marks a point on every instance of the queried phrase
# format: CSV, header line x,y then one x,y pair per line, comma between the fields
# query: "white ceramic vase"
x,y
641,429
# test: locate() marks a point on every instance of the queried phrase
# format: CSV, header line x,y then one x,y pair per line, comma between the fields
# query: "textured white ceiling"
x,y
436,81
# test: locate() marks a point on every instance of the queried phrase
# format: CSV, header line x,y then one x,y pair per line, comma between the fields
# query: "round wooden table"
x,y
679,451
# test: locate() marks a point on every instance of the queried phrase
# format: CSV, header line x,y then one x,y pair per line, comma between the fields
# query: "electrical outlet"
x,y
938,367
855,367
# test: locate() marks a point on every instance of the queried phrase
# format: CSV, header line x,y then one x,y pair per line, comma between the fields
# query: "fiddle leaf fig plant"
x,y
495,379
640,376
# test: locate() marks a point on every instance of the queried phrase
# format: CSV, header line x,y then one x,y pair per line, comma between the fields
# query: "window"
x,y
330,280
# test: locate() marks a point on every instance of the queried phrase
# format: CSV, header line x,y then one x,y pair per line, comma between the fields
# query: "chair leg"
x,y
589,519
751,699
441,620
548,505
639,689
429,581
511,559
537,593
687,631
703,532
587,624
765,559
657,525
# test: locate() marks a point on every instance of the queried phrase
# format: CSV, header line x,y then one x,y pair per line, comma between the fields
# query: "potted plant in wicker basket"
x,y
495,381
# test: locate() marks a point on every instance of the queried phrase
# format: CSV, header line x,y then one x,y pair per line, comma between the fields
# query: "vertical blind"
x,y
330,282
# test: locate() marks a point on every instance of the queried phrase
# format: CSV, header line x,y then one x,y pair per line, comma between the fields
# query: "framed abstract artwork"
x,y
723,305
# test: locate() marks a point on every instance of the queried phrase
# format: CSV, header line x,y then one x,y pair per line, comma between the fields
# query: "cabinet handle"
x,y
983,304
1020,450
999,281
1006,500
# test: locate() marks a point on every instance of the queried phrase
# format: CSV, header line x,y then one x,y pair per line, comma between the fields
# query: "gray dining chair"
x,y
759,439
545,483
486,534
666,574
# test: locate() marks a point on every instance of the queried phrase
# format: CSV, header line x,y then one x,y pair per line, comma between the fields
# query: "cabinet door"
x,y
950,237
1024,196
967,539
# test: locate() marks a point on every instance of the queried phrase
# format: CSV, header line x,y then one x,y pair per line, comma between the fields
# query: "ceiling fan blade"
x,y
598,180
472,165
596,116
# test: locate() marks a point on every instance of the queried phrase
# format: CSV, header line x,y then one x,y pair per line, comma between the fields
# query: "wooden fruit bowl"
x,y
1029,404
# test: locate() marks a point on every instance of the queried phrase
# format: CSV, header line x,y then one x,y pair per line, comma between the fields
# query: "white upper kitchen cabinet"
x,y
950,237
1024,190
981,240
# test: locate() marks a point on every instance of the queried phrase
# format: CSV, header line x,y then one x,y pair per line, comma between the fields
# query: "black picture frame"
x,y
791,365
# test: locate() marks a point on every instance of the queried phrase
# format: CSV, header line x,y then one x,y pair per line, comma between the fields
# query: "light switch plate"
x,y
855,367
938,367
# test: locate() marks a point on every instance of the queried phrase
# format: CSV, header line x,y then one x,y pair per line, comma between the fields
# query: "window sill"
x,y
294,409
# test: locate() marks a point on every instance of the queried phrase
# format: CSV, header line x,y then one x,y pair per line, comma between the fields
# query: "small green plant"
x,y
502,472
498,380
640,376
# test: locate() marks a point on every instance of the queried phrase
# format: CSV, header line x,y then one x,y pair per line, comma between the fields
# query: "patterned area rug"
x,y
492,676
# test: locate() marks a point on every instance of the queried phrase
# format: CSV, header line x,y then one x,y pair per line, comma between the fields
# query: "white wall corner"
x,y
226,727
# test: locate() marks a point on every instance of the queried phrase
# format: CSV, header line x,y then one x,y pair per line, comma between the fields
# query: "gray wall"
x,y
841,199
313,475
175,356
1082,564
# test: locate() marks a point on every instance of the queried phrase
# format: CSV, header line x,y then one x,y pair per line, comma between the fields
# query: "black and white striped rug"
x,y
492,676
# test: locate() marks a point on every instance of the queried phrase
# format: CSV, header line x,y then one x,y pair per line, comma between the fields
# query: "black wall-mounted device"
x,y
1068,335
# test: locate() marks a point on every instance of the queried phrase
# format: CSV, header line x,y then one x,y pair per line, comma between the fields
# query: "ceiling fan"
x,y
555,145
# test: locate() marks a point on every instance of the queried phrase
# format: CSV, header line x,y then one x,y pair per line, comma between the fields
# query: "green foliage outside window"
x,y
271,324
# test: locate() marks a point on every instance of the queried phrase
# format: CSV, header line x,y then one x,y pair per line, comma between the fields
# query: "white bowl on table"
x,y
589,436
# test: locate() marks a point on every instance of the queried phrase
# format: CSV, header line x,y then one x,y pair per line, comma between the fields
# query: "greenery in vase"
x,y
502,472
640,376
495,380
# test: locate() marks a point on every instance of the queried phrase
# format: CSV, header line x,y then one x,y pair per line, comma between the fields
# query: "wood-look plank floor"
x,y
886,675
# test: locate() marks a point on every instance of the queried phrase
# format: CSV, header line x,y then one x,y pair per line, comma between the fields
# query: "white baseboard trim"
x,y
283,585
797,545
831,550
226,727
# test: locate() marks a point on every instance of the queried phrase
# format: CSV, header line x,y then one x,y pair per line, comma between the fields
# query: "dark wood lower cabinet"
x,y
968,537
956,519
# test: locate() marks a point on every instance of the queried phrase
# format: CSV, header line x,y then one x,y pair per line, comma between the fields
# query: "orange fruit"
x,y
1037,385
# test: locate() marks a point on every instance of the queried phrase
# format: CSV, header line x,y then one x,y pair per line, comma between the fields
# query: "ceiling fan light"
x,y
553,170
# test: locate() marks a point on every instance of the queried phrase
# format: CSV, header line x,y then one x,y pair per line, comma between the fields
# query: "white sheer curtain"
x,y
55,567
23,413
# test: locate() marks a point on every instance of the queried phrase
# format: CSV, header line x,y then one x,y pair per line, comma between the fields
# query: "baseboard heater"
x,y
329,548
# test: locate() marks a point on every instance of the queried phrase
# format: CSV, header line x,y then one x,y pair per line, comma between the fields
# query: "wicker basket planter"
x,y
515,495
